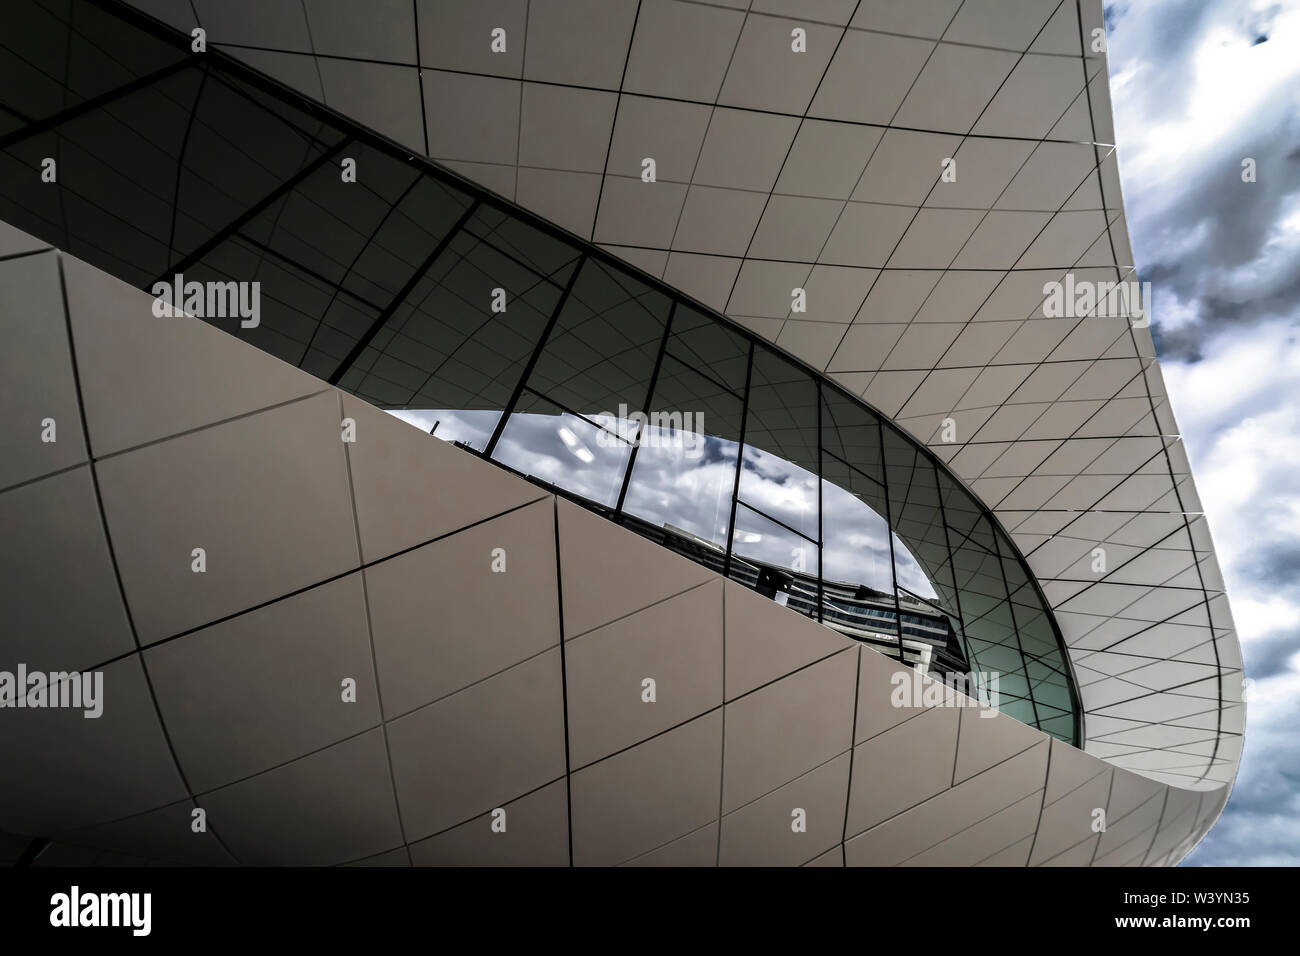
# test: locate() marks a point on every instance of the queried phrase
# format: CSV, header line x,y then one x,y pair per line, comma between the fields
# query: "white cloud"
x,y
1193,94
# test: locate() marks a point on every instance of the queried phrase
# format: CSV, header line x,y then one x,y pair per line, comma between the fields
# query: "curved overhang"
x,y
823,170
1063,430
223,734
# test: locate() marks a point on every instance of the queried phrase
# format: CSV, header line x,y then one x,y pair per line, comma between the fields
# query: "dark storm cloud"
x,y
1205,238
1271,655
1261,824
1223,257
1274,563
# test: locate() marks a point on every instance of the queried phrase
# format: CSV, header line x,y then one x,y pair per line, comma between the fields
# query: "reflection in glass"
x,y
759,538
474,320
855,538
472,429
564,450
599,357
780,489
683,477
782,410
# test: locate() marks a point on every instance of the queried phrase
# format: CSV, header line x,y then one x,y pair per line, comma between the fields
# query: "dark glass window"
x,y
473,319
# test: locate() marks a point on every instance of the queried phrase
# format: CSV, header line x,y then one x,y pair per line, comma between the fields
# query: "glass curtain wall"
x,y
428,296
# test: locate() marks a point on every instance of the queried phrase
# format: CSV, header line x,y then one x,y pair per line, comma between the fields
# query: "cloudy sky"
x,y
1198,86
678,482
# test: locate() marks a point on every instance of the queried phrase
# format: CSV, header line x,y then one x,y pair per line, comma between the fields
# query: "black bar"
x,y
740,460
402,293
537,353
92,104
649,398
338,286
228,230
302,906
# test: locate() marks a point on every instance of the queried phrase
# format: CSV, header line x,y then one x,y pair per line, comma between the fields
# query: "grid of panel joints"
x,y
145,653
1161,856
1051,14
300,184
1039,664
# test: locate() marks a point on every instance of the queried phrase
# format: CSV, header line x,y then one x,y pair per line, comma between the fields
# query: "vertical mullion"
x,y
1011,607
381,320
649,397
247,216
971,658
889,524
821,540
374,234
532,359
180,157
740,458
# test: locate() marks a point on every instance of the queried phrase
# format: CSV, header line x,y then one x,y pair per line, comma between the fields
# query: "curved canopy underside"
x,y
416,291
822,170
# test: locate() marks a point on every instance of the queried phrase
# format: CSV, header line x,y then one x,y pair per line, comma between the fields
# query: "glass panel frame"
x,y
374,302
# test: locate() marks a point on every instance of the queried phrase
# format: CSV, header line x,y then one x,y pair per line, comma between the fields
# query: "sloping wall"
x,y
820,170
472,688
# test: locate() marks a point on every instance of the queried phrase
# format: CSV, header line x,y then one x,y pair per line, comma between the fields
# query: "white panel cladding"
x,y
823,170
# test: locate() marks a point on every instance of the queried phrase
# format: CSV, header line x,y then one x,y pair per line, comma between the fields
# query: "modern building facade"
x,y
751,428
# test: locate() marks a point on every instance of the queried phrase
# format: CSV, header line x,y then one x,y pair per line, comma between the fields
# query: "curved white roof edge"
x,y
331,558
821,170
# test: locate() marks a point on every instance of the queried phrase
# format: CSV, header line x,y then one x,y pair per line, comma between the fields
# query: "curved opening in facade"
x,y
671,421
424,294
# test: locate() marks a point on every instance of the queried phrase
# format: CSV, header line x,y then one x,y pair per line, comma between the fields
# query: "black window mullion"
x,y
249,214
486,240
740,460
243,94
971,657
776,521
1011,607
703,371
94,103
968,540
821,532
180,158
374,234
853,468
532,359
401,295
649,398
305,270
912,594
472,336
18,114
575,413
889,526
